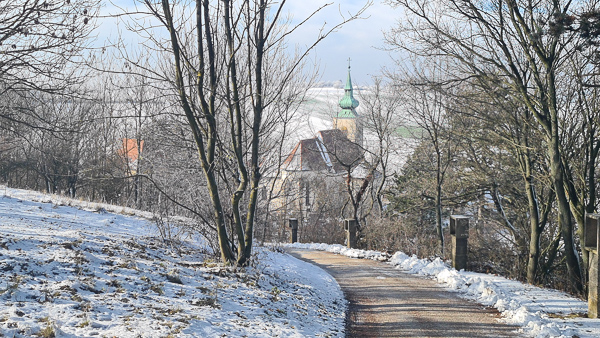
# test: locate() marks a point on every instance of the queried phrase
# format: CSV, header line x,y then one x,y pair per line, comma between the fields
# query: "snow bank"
x,y
342,250
540,312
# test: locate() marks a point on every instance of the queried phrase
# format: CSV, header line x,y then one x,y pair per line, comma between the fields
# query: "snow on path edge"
x,y
540,312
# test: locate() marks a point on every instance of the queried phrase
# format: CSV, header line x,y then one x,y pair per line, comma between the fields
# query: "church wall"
x,y
351,128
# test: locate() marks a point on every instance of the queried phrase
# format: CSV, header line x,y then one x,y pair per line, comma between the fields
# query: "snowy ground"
x,y
77,269
540,312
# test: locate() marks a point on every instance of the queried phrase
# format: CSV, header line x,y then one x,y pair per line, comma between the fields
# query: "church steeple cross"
x,y
349,59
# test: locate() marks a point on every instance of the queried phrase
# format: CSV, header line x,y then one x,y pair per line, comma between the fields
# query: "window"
x,y
307,194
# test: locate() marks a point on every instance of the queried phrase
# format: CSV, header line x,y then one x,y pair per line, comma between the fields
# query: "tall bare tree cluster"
x,y
234,81
42,120
522,74
501,96
187,123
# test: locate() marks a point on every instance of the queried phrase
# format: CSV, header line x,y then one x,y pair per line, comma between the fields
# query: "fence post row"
x,y
350,227
459,232
591,241
293,224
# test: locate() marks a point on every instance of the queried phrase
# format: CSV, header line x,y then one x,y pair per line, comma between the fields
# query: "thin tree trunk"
x,y
438,206
535,230
564,215
205,151
256,125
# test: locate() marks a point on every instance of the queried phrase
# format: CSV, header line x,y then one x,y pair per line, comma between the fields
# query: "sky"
x,y
360,40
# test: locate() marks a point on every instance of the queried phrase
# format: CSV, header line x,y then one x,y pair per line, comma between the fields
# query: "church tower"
x,y
347,120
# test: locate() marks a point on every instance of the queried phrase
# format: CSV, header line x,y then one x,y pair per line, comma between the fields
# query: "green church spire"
x,y
348,103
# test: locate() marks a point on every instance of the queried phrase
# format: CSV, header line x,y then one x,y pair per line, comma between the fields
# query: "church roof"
x,y
329,151
306,156
130,149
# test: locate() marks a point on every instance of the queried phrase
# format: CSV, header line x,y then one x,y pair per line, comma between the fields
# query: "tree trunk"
x,y
256,126
205,151
564,214
438,207
535,229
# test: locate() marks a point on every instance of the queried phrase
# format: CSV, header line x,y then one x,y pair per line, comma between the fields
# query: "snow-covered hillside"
x,y
316,113
90,270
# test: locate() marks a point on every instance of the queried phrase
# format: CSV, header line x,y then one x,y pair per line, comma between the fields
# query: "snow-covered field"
x,y
540,312
316,113
78,269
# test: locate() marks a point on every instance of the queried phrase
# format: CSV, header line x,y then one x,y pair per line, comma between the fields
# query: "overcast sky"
x,y
361,40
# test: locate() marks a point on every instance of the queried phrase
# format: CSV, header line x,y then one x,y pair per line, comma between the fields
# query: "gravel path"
x,y
385,302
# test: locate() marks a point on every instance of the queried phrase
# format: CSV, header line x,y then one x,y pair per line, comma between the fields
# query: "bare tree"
x,y
520,42
382,114
427,107
490,125
228,67
38,40
41,46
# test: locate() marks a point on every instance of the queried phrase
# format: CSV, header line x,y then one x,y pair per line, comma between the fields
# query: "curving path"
x,y
385,302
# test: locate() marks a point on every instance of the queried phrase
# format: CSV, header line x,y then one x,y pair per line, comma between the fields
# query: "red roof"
x,y
130,149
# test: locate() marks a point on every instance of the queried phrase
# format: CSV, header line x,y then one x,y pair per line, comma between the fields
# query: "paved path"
x,y
385,302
